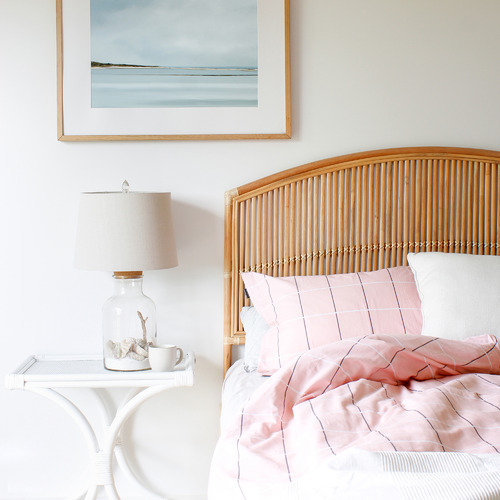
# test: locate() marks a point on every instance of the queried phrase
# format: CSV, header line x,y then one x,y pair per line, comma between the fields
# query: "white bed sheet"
x,y
238,386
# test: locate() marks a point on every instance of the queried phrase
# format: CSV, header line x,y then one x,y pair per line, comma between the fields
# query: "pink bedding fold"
x,y
384,393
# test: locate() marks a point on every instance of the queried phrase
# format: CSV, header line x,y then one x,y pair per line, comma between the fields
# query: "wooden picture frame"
x,y
78,121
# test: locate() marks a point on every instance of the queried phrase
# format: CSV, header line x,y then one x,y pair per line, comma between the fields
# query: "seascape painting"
x,y
174,53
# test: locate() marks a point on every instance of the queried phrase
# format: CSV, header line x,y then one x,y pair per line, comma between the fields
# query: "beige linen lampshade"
x,y
125,231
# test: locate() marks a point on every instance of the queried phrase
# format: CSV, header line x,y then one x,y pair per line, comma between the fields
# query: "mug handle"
x,y
180,356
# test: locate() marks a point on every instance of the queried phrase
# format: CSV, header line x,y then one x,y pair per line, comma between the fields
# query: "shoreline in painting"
x,y
96,64
99,65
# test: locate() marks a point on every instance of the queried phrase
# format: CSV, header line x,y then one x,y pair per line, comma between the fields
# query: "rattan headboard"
x,y
358,212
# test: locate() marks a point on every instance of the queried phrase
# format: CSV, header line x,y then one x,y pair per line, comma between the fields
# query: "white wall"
x,y
365,75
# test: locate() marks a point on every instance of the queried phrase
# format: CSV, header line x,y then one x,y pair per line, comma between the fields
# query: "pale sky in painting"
x,y
201,33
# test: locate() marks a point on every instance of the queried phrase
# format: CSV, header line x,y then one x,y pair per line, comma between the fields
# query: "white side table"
x,y
45,374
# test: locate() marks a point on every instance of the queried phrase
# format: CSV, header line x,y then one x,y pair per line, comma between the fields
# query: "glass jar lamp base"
x,y
129,325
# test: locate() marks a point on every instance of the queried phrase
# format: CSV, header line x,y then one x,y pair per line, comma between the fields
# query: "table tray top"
x,y
89,371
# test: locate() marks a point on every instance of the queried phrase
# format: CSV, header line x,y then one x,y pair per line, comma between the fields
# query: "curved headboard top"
x,y
358,212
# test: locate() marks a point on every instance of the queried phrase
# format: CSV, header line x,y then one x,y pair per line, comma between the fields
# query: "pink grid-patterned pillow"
x,y
308,311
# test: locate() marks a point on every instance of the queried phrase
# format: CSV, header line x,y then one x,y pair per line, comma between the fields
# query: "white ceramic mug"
x,y
164,357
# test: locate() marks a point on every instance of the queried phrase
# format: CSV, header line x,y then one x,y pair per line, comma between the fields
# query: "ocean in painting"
x,y
160,87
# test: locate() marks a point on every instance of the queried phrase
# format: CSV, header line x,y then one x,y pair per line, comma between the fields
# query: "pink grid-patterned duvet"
x,y
385,393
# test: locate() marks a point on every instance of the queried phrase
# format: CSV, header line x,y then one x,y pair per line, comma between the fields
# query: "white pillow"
x,y
255,328
460,293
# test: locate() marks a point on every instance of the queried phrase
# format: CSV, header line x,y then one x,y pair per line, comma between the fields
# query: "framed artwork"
x,y
173,70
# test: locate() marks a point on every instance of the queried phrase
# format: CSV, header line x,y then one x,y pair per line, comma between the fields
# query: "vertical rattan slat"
x,y
487,203
490,209
343,223
474,208
435,205
322,211
423,203
462,206
452,215
371,219
480,214
298,229
358,212
377,219
335,223
419,203
383,215
403,204
351,194
397,234
293,226
469,227
265,230
442,200
309,248
362,239
286,230
410,237
388,213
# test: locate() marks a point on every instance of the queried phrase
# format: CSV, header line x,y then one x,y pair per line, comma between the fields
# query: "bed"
x,y
365,290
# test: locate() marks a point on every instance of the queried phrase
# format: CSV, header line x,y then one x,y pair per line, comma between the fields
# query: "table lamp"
x,y
126,233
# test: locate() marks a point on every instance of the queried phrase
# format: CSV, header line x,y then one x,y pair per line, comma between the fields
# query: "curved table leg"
x,y
119,453
90,491
111,441
107,409
103,453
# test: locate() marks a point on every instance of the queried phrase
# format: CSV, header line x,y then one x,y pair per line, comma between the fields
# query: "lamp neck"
x,y
127,274
128,283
